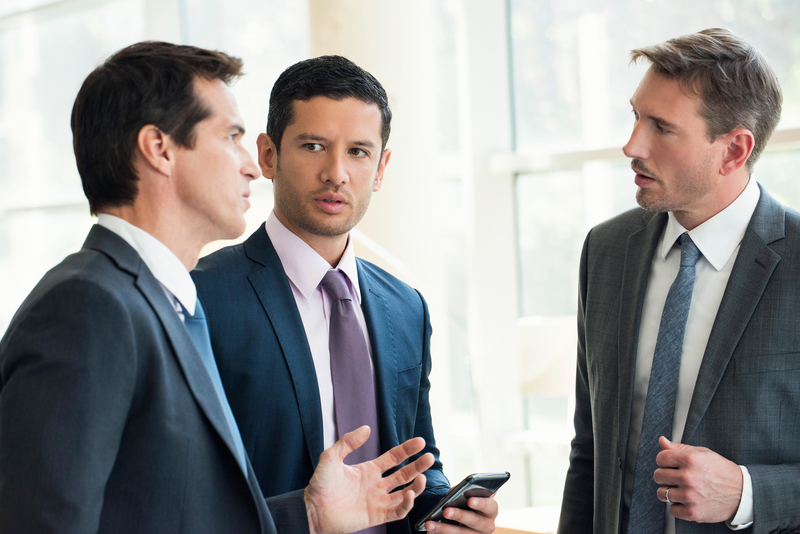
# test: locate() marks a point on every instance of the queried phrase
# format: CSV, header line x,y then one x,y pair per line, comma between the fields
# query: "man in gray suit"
x,y
112,418
703,114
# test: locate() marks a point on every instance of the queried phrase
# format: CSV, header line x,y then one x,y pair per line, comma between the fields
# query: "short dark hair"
x,y
150,82
334,77
735,83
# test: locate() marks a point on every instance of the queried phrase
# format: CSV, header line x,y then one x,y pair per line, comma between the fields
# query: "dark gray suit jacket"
x,y
267,369
108,419
746,403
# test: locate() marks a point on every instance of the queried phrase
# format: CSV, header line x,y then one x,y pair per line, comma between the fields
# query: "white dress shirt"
x,y
718,239
170,271
305,269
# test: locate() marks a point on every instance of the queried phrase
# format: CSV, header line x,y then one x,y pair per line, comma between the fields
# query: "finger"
x,y
350,442
484,505
680,510
444,528
667,444
403,501
674,494
410,471
468,518
672,453
667,476
399,454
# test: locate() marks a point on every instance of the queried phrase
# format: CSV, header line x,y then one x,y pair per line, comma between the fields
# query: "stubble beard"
x,y
694,183
299,210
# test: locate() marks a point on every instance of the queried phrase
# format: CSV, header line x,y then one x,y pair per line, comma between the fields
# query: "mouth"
x,y
643,176
331,203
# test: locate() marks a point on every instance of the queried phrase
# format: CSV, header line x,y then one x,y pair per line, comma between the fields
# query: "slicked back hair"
x,y
334,77
146,83
735,83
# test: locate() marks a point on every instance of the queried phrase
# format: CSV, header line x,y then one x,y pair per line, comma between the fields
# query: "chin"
x,y
234,230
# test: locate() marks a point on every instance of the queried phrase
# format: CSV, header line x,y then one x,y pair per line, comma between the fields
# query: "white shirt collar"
x,y
302,264
718,237
170,271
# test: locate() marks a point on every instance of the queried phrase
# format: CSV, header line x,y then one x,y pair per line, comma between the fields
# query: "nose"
x,y
335,169
249,170
636,147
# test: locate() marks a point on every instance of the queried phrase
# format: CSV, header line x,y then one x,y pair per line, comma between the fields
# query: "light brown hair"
x,y
735,83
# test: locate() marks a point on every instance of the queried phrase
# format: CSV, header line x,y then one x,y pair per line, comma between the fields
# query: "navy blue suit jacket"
x,y
108,419
268,372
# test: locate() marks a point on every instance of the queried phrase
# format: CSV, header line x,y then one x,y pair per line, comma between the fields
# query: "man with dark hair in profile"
x,y
112,417
688,376
272,301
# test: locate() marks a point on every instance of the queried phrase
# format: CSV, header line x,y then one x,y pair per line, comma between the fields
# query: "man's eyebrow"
x,y
309,137
319,138
655,118
365,144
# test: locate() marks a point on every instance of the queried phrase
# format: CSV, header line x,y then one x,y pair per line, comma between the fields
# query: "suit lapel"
x,y
272,287
384,357
189,359
639,251
754,266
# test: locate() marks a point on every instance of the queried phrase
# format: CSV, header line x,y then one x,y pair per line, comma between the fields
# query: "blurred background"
x,y
509,118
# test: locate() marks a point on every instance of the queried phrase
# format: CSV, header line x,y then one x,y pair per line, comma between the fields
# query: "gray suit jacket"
x,y
746,403
108,419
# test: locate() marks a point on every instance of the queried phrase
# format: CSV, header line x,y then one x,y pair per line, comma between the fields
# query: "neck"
x,y
720,199
160,225
331,248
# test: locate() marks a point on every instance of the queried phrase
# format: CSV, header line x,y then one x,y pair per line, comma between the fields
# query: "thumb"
x,y
350,442
669,445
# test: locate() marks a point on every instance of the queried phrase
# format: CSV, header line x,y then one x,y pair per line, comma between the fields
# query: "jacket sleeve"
x,y
437,484
577,512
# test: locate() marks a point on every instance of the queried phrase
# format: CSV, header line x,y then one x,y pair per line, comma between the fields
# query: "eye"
x,y
360,152
313,147
635,116
660,129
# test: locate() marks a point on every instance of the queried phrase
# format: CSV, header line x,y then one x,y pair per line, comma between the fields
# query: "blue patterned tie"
x,y
198,330
647,513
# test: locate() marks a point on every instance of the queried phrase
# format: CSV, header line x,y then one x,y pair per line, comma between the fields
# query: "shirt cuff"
x,y
744,515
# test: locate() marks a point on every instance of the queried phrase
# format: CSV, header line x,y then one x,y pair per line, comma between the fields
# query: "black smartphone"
x,y
474,485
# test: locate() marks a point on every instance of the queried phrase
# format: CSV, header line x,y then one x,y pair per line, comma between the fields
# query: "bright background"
x,y
509,118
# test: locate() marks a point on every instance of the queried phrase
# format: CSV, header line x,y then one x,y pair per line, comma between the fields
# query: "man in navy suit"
x,y
325,151
111,415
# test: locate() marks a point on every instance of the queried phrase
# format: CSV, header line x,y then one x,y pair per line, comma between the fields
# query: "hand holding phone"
x,y
475,485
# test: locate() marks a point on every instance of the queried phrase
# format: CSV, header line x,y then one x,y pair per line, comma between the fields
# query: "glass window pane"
x,y
39,78
555,210
777,172
44,57
571,76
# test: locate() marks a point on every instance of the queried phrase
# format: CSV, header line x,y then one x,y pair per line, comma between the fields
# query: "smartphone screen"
x,y
475,485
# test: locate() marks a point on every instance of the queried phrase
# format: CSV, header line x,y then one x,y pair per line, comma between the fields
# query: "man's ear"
x,y
738,147
153,146
267,156
376,186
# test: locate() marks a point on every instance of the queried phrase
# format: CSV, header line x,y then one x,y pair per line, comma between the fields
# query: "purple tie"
x,y
353,389
351,373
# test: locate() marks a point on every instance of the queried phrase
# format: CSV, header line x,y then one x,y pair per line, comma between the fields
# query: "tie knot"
x,y
689,251
199,312
335,284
